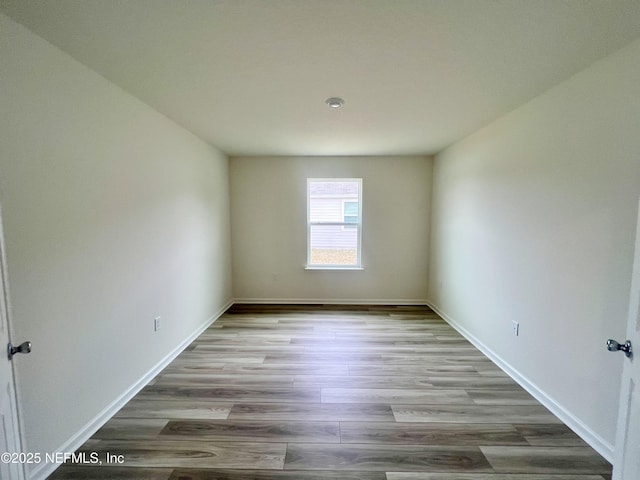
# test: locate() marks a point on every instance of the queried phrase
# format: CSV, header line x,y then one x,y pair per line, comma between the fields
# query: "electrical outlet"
x,y
516,328
156,324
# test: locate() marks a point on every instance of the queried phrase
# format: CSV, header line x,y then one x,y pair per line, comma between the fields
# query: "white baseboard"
x,y
599,444
329,301
81,436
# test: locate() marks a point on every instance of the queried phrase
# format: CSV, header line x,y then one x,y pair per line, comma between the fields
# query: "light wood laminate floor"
x,y
326,392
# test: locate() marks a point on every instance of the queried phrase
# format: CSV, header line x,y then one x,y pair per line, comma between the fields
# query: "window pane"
x,y
351,208
328,199
350,212
334,187
333,245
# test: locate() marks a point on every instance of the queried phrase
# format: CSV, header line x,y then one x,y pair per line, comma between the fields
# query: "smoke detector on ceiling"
x,y
334,102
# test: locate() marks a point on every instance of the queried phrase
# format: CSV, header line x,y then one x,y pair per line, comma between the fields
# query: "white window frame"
x,y
343,224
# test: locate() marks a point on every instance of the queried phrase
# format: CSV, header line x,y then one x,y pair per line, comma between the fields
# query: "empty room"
x,y
319,239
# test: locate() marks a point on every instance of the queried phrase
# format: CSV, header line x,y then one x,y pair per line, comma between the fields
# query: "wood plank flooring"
x,y
326,392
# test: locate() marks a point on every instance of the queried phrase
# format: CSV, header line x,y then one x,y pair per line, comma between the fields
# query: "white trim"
x,y
329,301
598,443
333,267
43,470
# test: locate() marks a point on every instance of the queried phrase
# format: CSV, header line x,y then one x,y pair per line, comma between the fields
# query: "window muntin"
x,y
334,223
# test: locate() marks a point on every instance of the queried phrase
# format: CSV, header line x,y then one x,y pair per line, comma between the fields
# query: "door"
x,y
9,427
626,465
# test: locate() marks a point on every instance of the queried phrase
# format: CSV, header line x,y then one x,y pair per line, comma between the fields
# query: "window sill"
x,y
332,267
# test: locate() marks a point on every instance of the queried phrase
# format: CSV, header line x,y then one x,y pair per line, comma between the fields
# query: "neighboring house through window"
x,y
350,211
334,222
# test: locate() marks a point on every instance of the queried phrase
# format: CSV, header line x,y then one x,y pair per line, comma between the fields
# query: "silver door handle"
x,y
614,346
24,347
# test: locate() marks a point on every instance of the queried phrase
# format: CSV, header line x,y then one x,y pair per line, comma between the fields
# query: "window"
x,y
350,211
334,222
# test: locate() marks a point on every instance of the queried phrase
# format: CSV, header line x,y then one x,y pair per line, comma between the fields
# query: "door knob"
x,y
614,346
24,347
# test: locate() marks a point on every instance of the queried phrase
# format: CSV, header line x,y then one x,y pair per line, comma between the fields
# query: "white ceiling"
x,y
251,76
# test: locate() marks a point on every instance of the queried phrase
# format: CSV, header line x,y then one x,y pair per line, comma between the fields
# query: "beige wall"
x,y
112,215
533,220
268,210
